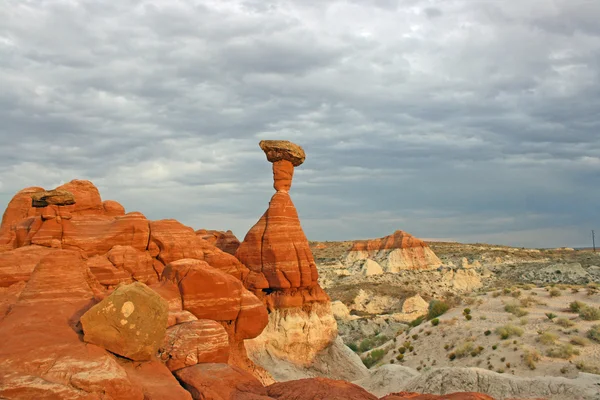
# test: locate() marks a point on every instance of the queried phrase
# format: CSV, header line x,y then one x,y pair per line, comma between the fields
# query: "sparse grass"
x,y
555,292
575,306
547,338
594,333
564,351
564,322
579,341
373,357
514,309
593,368
523,321
589,313
508,330
530,357
464,350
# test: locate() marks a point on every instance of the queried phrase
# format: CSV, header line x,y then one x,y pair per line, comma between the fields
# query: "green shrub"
x,y
415,336
551,316
417,321
589,313
515,310
467,311
402,350
494,347
373,357
575,306
451,356
353,347
593,368
487,333
547,338
565,323
400,357
468,317
594,333
564,351
437,308
435,322
554,292
508,330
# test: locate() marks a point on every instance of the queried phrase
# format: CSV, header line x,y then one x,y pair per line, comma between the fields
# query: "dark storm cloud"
x,y
471,120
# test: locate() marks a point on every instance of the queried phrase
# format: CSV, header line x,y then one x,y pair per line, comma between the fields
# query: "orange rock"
x,y
18,264
42,355
18,209
87,198
137,263
225,241
318,388
112,208
221,382
206,292
106,272
195,342
277,150
169,291
277,247
283,172
155,380
252,319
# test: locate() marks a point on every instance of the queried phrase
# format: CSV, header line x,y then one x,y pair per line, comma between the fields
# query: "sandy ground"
x,y
488,313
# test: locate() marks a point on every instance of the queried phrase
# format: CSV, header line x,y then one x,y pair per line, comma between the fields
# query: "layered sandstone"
x,y
393,253
225,241
301,325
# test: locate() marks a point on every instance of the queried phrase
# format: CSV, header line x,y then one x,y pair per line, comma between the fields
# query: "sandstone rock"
x,y
87,198
179,317
396,252
220,382
318,388
371,267
415,305
252,319
225,241
285,259
195,342
170,292
130,322
138,264
113,208
155,380
106,272
41,352
339,310
52,197
18,209
206,292
18,264
387,378
277,150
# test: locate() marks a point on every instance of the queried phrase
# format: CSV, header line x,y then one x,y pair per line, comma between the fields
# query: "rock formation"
x,y
301,325
393,253
225,241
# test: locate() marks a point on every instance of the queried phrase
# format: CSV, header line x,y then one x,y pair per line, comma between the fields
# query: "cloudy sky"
x,y
472,120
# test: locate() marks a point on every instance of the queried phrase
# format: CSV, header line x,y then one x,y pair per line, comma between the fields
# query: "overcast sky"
x,y
471,120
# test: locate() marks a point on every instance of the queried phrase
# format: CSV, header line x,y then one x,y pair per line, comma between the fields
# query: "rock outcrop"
x,y
393,253
301,325
225,241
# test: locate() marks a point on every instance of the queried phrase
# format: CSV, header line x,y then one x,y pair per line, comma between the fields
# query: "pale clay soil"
x,y
454,329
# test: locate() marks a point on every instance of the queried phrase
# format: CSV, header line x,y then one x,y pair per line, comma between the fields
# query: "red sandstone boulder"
x,y
318,388
18,264
252,319
195,342
18,209
220,382
155,380
205,291
225,241
130,322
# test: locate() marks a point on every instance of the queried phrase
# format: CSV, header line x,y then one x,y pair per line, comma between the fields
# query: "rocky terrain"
x,y
100,303
550,350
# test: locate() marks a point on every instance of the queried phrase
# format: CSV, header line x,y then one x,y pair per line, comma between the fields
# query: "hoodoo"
x,y
301,326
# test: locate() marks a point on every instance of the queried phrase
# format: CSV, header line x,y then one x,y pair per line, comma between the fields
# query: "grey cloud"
x,y
458,119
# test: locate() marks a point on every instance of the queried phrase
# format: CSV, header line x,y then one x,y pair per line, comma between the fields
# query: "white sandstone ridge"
x,y
396,252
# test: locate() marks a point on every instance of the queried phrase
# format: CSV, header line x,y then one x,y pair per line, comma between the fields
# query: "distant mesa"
x,y
393,253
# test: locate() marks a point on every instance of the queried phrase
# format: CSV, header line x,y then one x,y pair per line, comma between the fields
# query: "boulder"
x,y
277,150
220,382
415,305
195,342
225,241
130,322
18,264
318,388
52,197
371,267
